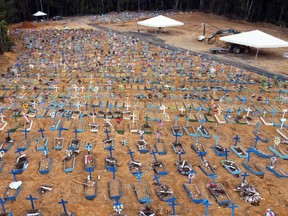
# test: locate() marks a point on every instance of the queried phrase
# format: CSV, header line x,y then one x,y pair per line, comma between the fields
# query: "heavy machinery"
x,y
220,33
233,48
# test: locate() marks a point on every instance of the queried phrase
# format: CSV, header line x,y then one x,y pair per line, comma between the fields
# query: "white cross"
x,y
284,112
78,105
75,87
248,111
264,113
33,104
39,76
82,88
107,121
127,105
2,117
164,109
182,110
25,116
133,117
282,122
93,117
56,88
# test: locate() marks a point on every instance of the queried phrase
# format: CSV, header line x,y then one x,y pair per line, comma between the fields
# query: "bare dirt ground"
x,y
272,189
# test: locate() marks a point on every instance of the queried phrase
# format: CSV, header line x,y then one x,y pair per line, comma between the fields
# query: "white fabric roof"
x,y
160,21
256,39
40,13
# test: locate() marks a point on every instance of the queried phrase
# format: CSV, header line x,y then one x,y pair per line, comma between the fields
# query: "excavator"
x,y
233,48
219,33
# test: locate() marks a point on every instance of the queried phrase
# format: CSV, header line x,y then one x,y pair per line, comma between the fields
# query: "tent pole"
x,y
256,56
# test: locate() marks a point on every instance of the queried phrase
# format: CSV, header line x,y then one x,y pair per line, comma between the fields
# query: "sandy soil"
x,y
271,188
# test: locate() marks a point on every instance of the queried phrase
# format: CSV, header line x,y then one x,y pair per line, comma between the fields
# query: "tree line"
x,y
273,11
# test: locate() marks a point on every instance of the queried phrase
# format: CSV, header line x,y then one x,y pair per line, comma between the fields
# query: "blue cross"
x,y
114,172
31,198
100,105
26,132
176,137
63,202
45,151
69,114
139,176
70,105
110,149
233,206
206,204
147,200
273,111
226,151
176,119
236,138
107,133
244,99
41,130
213,176
86,105
2,202
76,133
93,107
173,205
149,107
216,137
90,170
244,175
249,154
196,137
60,130
257,138
131,154
111,106
14,175
202,121
257,125
156,178
154,155
88,147
201,155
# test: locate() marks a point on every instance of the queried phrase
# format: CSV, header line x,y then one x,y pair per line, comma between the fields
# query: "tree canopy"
x,y
274,11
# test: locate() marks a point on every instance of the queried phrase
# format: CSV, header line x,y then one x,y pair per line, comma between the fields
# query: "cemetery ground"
x,y
271,188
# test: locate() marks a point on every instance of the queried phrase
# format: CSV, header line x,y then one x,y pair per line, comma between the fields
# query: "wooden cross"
x,y
207,204
32,199
63,203
236,138
26,132
154,155
233,206
41,130
156,178
173,205
131,154
244,175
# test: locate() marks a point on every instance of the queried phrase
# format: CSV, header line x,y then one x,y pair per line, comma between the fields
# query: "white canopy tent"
x,y
256,39
160,22
39,13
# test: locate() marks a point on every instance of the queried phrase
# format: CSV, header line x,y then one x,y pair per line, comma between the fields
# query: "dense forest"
x,y
273,11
